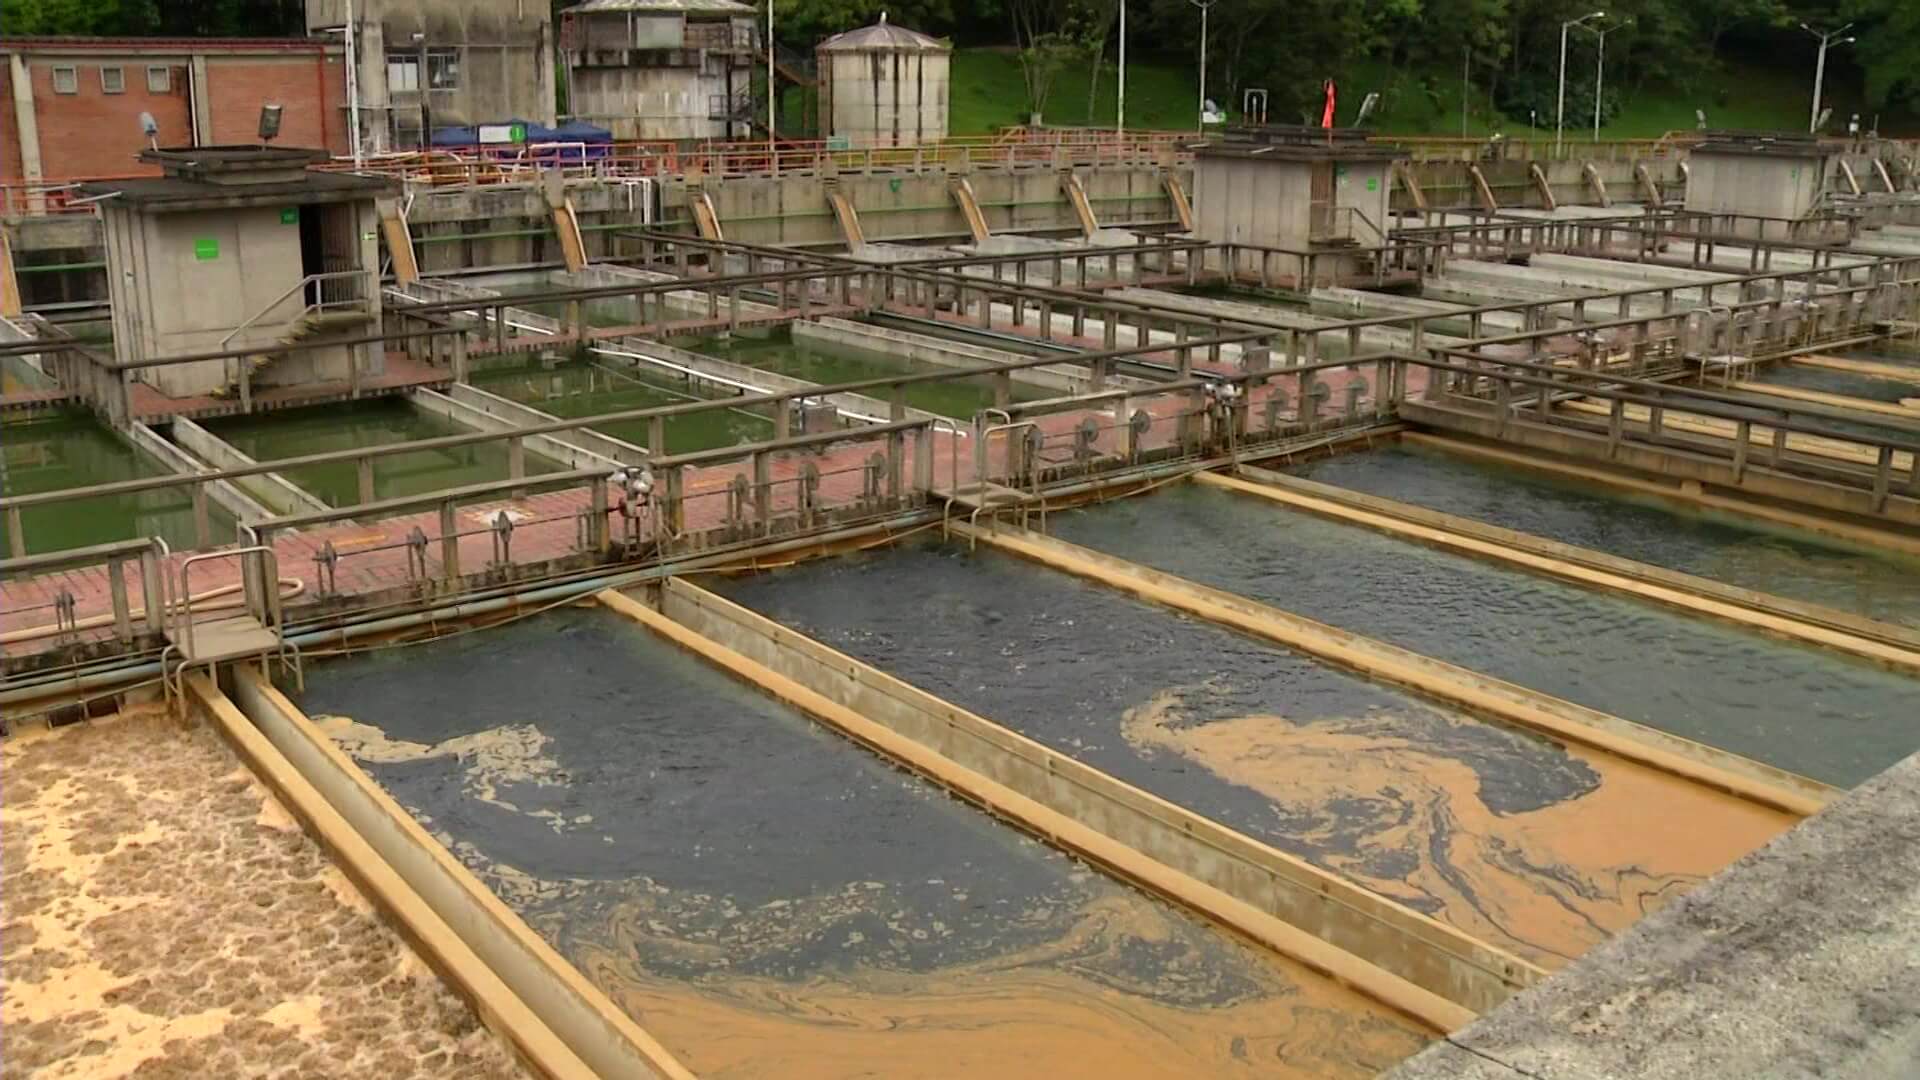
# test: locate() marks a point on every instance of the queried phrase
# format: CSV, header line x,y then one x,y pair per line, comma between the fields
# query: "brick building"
x,y
70,107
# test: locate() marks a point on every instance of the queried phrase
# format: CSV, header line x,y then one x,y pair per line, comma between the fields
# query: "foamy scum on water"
x,y
162,914
835,978
1398,804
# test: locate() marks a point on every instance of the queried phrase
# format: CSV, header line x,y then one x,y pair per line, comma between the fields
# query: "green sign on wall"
x,y
1373,183
290,216
206,248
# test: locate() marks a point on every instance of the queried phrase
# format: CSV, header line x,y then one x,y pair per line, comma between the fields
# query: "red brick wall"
x,y
93,134
308,87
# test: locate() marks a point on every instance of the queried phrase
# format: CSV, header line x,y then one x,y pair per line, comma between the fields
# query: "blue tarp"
x,y
573,131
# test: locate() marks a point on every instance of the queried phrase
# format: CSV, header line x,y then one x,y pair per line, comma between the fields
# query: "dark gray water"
x,y
1850,383
1775,560
1463,820
1799,708
754,842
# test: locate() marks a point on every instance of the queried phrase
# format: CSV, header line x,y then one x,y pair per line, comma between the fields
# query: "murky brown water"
x,y
1547,883
769,900
164,917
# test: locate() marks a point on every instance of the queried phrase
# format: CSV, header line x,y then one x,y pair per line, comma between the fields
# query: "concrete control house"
x,y
1763,175
1299,189
663,69
239,247
884,85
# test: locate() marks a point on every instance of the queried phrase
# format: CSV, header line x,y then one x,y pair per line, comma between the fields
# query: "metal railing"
x,y
72,615
1800,441
701,500
329,291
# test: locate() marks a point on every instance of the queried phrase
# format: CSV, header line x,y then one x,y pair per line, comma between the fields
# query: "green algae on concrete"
x,y
384,421
576,390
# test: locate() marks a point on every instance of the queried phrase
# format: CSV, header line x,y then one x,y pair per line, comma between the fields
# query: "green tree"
x,y
1889,50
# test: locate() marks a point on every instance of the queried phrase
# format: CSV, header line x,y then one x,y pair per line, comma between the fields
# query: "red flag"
x,y
1326,117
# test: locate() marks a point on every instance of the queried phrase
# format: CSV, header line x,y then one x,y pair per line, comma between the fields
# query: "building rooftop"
x,y
1761,143
883,36
168,194
1296,142
85,43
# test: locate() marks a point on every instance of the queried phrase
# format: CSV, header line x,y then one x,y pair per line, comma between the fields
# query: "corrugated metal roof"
x,y
686,7
882,36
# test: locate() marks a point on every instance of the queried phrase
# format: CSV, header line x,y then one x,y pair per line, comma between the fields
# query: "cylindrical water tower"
x,y
883,85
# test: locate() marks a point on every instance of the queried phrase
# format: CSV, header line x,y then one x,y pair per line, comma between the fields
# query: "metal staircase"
x,y
254,631
334,301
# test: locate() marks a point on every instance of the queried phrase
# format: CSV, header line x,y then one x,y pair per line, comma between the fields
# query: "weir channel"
x,y
1739,551
1490,829
1804,710
766,897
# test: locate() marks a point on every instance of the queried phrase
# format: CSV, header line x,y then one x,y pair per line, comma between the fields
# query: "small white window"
x,y
159,79
113,80
403,73
66,80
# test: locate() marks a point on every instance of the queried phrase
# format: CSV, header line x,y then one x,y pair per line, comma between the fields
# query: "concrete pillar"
x,y
198,98
25,118
376,110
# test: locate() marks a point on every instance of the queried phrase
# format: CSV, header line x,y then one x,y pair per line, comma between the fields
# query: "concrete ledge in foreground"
x,y
1800,960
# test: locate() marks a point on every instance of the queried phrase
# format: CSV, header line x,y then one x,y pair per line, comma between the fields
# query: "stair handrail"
x,y
298,286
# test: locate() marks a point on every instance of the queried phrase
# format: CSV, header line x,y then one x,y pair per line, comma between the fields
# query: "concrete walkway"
x,y
1797,961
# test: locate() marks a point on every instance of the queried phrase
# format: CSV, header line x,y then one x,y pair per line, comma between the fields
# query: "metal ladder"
x,y
206,639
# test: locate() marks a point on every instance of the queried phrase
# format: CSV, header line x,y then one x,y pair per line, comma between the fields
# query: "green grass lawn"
x,y
988,94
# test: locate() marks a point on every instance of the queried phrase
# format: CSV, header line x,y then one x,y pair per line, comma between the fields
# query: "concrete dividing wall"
x,y
927,349
590,1026
224,492
915,204
1679,466
585,449
480,418
276,492
1402,945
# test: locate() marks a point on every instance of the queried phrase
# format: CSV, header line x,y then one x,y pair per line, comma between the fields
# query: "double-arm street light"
x,y
1560,121
1820,66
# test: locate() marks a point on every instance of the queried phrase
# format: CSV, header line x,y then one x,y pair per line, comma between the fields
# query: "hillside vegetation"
x,y
1163,94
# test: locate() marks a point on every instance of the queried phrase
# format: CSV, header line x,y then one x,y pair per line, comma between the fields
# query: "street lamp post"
x,y
1203,5
1820,67
1560,121
1600,72
1120,97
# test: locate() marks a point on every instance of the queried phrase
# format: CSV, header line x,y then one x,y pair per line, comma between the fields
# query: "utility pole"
x,y
773,90
1820,68
1120,117
1560,121
1203,6
1600,72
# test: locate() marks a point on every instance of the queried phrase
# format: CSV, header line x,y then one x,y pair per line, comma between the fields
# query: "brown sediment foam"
x,y
513,754
160,916
1067,999
1548,883
1056,1008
